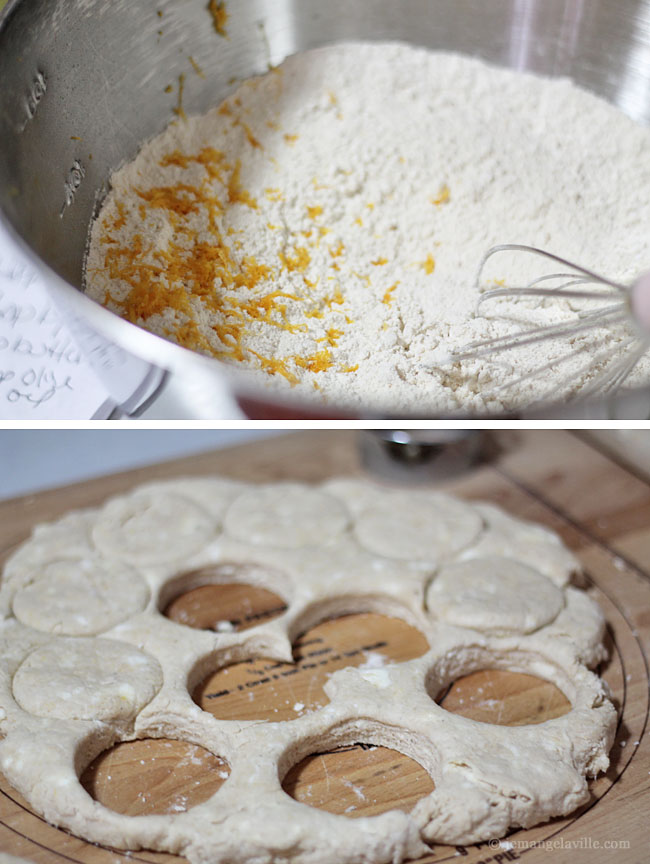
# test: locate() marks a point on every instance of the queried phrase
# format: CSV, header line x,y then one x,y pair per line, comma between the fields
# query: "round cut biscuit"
x,y
286,515
417,525
494,595
145,528
86,679
80,597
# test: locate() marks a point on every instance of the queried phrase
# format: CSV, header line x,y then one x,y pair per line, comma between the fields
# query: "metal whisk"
x,y
623,314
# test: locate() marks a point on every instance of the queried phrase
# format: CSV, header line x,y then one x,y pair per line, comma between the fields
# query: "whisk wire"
x,y
611,379
485,347
606,371
530,291
518,247
603,356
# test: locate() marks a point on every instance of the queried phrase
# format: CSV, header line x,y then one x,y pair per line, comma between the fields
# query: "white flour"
x,y
330,238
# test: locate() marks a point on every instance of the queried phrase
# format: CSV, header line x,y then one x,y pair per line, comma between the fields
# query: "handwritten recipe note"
x,y
43,376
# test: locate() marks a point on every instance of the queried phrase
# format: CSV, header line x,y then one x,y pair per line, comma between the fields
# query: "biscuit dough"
x,y
286,515
531,544
497,596
494,595
86,679
411,524
80,598
430,528
149,529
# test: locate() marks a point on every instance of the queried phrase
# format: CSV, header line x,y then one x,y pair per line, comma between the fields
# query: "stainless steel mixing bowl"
x,y
84,83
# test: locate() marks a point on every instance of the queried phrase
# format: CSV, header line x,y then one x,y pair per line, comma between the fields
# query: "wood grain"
x,y
600,508
505,698
233,607
262,689
358,781
139,778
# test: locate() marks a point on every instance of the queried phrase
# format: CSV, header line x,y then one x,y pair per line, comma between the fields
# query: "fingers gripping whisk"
x,y
615,317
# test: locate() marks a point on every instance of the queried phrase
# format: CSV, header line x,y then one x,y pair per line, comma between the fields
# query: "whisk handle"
x,y
640,301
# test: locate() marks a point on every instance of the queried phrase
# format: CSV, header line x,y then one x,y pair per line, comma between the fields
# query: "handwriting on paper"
x,y
43,375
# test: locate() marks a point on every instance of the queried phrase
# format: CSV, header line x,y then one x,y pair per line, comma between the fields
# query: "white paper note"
x,y
43,376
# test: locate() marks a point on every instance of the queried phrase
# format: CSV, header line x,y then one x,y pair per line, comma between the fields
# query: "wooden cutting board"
x,y
601,510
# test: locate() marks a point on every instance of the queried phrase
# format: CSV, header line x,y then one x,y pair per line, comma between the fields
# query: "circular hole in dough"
x,y
86,679
494,595
358,780
80,597
152,529
505,698
225,608
263,689
140,778
287,516
418,527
